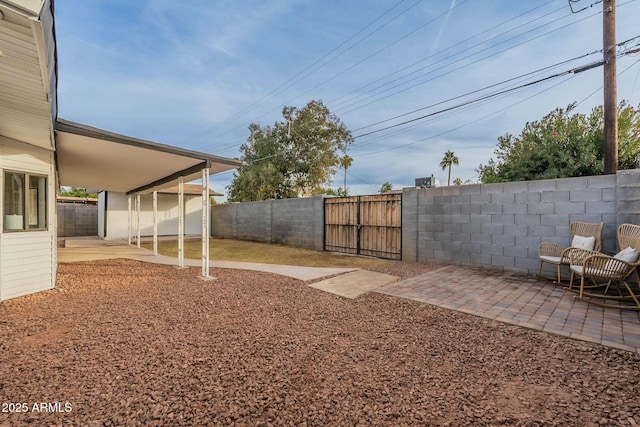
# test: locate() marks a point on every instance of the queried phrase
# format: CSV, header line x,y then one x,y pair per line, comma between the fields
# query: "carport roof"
x,y
100,160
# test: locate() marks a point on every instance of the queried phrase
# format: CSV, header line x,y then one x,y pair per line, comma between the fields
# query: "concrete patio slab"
x,y
352,285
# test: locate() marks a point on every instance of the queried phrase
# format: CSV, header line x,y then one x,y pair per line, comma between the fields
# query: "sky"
x,y
461,73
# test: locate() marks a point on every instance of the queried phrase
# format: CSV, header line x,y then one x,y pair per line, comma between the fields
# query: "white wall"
x,y
118,220
27,258
101,213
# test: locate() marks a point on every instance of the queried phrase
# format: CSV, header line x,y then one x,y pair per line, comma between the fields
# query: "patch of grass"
x,y
239,250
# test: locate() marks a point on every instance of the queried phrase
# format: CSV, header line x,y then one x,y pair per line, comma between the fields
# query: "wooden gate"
x,y
364,225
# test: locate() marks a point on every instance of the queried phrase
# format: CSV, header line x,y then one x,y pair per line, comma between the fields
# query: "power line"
x,y
492,95
424,123
462,66
572,2
468,123
485,98
338,104
448,131
233,145
296,78
379,50
478,90
574,70
451,130
363,181
602,86
495,112
367,58
633,89
474,62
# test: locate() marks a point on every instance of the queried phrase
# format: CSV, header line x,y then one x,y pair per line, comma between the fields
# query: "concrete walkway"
x,y
91,249
524,301
352,285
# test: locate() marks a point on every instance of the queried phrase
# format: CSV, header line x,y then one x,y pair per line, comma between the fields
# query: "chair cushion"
x,y
594,272
629,255
553,259
582,242
606,273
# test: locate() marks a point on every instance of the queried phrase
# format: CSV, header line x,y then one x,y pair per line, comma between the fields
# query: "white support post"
x,y
130,219
155,222
138,220
205,222
181,222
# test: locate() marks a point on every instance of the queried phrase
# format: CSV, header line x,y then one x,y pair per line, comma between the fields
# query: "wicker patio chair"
x,y
607,273
629,236
558,255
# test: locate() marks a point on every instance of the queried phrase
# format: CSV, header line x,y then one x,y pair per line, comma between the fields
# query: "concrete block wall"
x,y
75,220
298,222
253,221
293,222
628,197
499,226
223,221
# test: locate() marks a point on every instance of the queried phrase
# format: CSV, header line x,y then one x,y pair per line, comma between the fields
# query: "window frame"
x,y
27,201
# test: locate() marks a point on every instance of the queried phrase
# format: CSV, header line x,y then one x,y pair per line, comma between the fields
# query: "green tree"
x,y
457,181
449,160
337,192
292,158
77,192
386,187
563,145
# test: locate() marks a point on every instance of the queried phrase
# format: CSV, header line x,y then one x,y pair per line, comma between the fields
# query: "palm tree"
x,y
345,163
448,160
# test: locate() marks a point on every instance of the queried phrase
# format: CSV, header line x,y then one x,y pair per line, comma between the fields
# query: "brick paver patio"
x,y
521,300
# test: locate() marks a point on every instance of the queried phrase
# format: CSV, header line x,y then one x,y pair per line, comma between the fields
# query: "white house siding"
x,y
118,219
29,264
27,258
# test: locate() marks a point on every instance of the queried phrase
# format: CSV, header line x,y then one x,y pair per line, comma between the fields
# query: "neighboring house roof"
x,y
190,189
101,160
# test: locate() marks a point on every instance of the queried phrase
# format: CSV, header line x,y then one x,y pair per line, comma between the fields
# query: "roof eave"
x,y
92,132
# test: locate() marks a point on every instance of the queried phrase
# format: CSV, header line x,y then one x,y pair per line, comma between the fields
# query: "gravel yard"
x,y
121,342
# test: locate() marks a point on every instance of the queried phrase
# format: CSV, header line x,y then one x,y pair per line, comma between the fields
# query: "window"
x,y
37,202
25,202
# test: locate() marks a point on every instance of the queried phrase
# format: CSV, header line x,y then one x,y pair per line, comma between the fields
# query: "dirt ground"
x,y
120,342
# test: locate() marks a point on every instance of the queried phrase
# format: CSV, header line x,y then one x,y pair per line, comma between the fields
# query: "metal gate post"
x,y
358,226
324,223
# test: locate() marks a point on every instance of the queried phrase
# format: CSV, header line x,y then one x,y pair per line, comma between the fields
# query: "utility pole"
x,y
610,87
